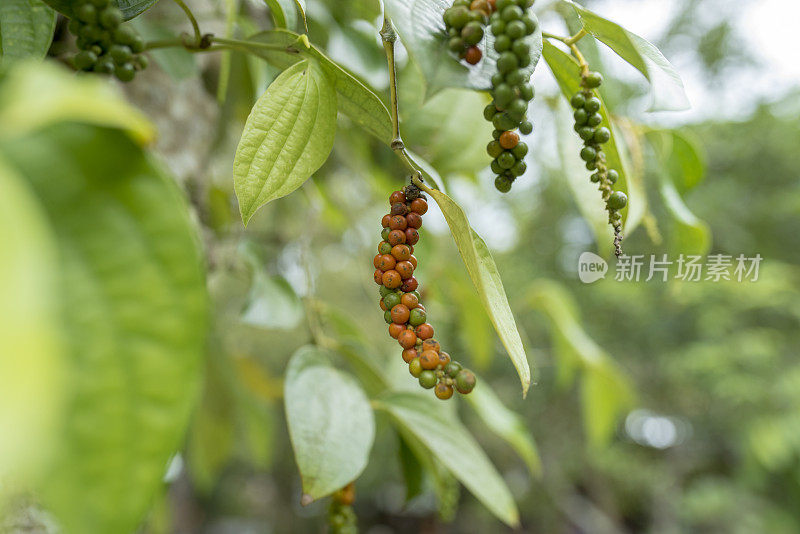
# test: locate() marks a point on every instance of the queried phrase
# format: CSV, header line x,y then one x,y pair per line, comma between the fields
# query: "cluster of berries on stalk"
x,y
400,301
511,90
106,46
588,125
464,23
341,516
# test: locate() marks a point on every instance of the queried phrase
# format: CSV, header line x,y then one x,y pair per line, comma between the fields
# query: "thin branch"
x,y
197,35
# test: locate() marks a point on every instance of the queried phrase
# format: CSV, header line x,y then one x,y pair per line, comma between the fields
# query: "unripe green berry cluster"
x,y
341,516
588,122
394,273
464,23
511,90
106,46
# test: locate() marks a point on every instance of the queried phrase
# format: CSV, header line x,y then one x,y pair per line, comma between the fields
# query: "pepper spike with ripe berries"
x,y
400,301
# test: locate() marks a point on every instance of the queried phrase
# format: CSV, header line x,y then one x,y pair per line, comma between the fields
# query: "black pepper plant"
x,y
138,317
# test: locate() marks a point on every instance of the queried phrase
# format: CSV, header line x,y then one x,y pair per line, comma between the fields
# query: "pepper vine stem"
x,y
197,35
389,37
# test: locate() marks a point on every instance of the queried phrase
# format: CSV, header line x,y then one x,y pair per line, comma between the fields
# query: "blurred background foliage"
x,y
657,407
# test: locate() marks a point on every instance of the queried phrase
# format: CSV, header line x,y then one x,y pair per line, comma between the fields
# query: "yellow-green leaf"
x,y
287,137
486,279
26,29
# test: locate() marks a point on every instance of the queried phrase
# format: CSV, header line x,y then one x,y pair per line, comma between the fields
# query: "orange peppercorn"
x,y
412,236
401,252
390,279
424,331
414,220
378,277
444,359
395,330
397,196
409,284
429,359
386,262
409,300
431,344
413,261
407,340
385,220
410,353
400,314
443,391
508,140
396,237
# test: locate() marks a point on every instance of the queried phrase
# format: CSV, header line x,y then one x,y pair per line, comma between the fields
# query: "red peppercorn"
x,y
378,277
473,55
405,269
397,196
414,220
412,236
409,284
399,208
385,220
418,205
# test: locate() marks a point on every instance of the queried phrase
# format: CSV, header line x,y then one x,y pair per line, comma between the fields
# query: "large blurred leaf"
x,y
330,423
486,278
31,344
680,167
606,391
667,90
129,8
421,28
356,100
284,13
134,307
35,95
26,29
506,424
567,73
447,439
287,137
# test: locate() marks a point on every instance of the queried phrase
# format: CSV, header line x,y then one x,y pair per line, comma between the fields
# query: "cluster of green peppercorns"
x,y
588,125
394,272
464,23
106,46
341,516
511,90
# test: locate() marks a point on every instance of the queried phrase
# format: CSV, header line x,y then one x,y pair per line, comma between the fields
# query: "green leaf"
x,y
284,13
421,28
567,73
667,92
447,439
410,467
606,390
26,29
680,165
34,96
331,424
486,278
31,344
356,100
286,138
506,424
134,307
129,8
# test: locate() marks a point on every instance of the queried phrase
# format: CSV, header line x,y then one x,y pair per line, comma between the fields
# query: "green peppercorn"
x,y
86,13
507,62
489,111
594,119
580,116
120,53
497,133
588,153
110,18
385,233
416,317
506,160
502,184
520,150
595,177
517,109
391,300
452,369
617,200
519,168
387,316
494,149
515,30
577,100
593,80
465,381
521,48
498,26
502,43
602,135
385,291
503,95
613,176
104,65
415,367
516,77
496,168
456,45
84,60
503,122
592,105
586,132
526,91
526,127
427,378
472,33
